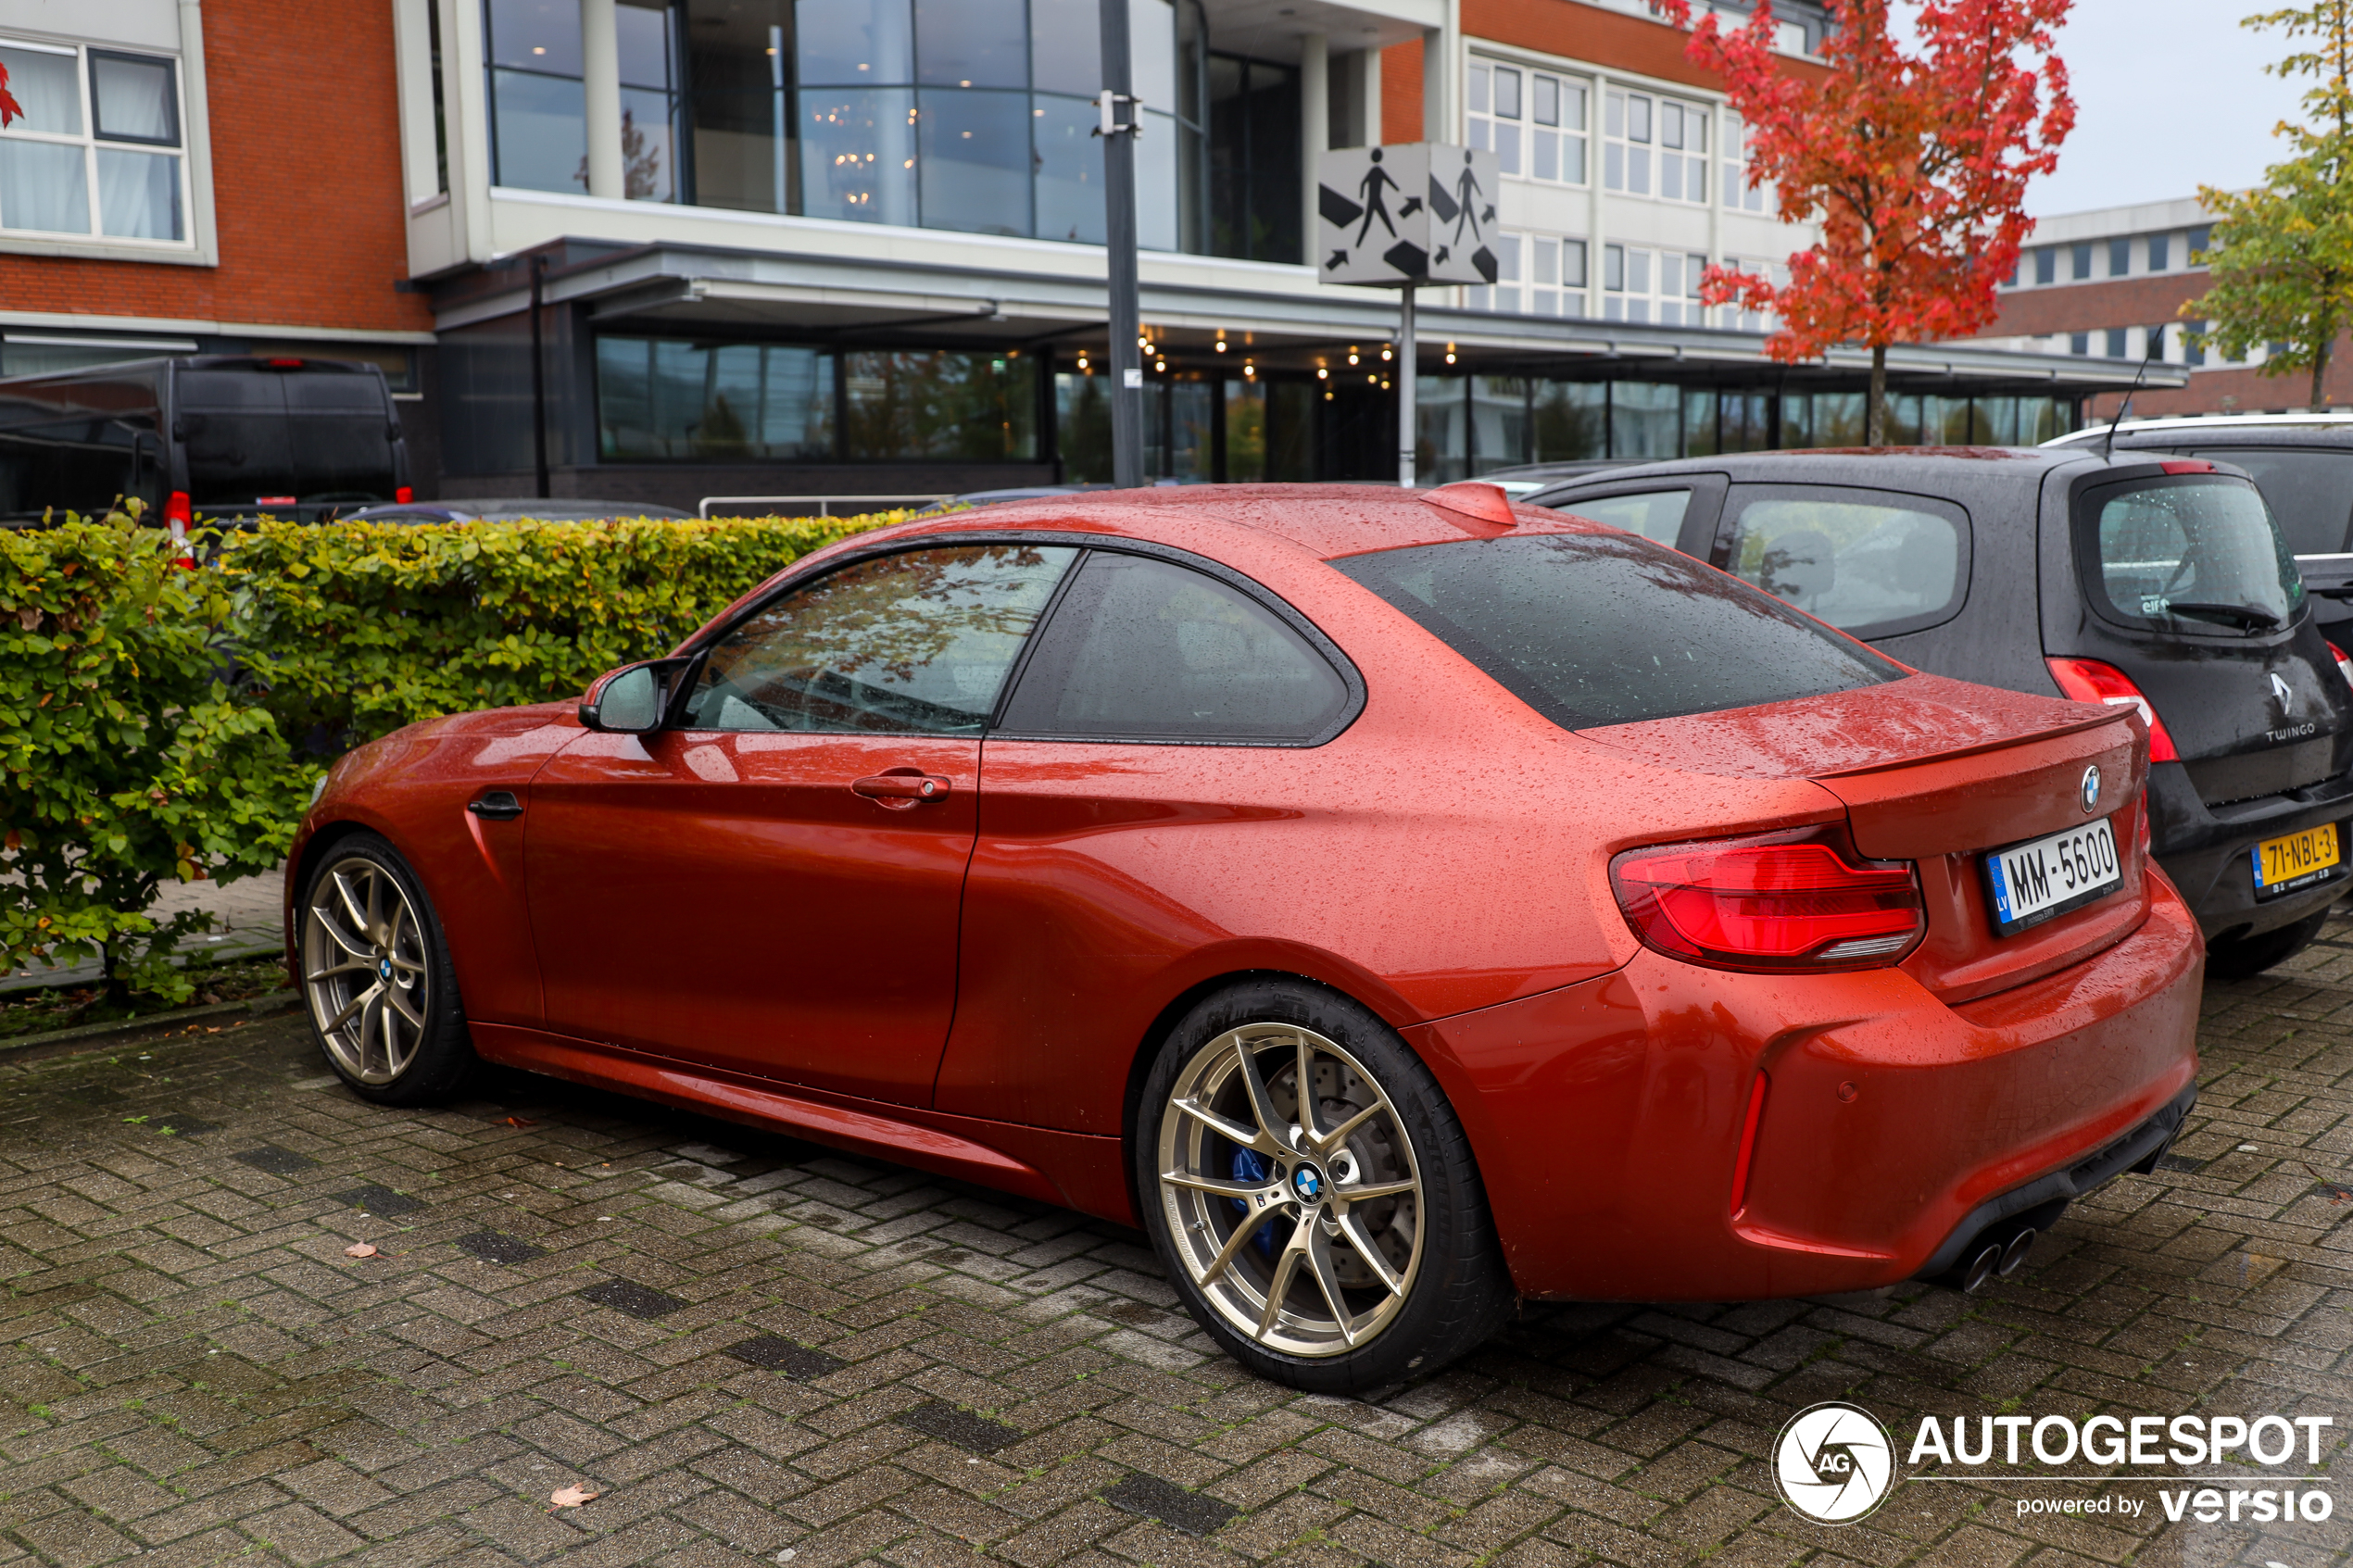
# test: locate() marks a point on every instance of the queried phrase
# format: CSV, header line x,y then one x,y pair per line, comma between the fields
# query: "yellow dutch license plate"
x,y
2297,859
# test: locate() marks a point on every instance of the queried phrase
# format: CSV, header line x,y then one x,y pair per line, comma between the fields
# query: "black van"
x,y
2150,581
216,437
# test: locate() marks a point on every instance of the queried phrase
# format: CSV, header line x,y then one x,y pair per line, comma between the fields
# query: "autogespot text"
x,y
2268,1441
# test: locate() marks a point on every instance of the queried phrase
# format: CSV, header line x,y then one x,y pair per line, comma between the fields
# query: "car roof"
x,y
1947,466
1327,520
2224,430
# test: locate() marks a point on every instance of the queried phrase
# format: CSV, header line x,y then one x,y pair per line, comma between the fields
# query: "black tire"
x,y
2246,957
1455,1291
410,1046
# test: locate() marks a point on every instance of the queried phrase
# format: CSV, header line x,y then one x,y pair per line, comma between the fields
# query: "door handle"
x,y
495,805
900,790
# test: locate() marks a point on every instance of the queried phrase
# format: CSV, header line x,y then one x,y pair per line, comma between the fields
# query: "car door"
x,y
1151,783
772,886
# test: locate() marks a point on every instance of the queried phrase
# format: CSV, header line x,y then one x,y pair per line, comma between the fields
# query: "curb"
x,y
15,985
154,1022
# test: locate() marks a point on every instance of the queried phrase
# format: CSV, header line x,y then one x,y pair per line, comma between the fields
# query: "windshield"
x,y
2190,556
1604,629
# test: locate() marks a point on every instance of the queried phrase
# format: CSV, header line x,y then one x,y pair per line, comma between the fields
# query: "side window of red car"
x,y
915,642
1141,649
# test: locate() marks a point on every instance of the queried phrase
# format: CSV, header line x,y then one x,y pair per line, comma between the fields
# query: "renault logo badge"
x,y
2091,789
2279,690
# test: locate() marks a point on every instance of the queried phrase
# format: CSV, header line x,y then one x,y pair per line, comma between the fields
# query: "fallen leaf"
x,y
521,1121
573,1496
359,1249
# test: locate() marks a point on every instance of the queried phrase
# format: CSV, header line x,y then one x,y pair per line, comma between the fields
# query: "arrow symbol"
x,y
1440,258
1339,259
1413,205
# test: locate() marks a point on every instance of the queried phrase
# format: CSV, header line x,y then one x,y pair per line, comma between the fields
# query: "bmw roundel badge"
x,y
2091,789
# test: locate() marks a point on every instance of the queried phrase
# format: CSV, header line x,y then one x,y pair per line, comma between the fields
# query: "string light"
x,y
1450,354
1322,374
1082,361
1384,354
1160,365
1249,372
1351,353
1221,343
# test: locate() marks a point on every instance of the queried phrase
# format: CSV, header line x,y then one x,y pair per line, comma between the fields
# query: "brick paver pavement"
x,y
759,1350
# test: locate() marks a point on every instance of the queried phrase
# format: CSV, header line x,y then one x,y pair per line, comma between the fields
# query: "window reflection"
x,y
971,43
919,642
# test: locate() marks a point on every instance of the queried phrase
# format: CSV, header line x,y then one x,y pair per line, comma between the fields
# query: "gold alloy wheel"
x,y
1298,1215
363,969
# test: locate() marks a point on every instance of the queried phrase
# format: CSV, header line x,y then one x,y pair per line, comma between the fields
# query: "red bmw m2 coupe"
x,y
1393,903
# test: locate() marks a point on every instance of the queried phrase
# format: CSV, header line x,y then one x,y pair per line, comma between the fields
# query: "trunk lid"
x,y
1938,772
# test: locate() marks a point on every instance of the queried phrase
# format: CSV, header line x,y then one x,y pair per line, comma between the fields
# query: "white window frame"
x,y
1522,136
1537,275
1738,195
1658,302
199,244
1636,123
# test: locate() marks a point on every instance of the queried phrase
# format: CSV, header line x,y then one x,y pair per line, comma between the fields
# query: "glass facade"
x,y
1469,425
681,400
972,115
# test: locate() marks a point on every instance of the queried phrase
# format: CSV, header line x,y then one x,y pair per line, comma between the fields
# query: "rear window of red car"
x,y
1602,629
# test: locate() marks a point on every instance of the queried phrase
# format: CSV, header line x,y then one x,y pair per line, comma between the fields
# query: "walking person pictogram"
x,y
1369,188
1467,194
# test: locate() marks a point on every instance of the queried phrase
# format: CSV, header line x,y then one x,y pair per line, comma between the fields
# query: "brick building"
x,y
2121,283
801,248
186,179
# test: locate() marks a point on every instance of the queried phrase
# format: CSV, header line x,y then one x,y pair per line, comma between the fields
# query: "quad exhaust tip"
x,y
2014,1255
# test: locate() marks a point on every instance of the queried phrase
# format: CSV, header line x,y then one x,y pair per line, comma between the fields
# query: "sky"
x,y
2170,94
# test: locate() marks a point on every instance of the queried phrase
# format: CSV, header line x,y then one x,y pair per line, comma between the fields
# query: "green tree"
x,y
2279,258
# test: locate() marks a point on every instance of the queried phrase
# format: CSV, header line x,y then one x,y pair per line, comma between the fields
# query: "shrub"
x,y
125,760
353,630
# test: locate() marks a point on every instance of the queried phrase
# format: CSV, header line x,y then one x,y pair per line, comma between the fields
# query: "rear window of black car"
x,y
2187,554
1601,629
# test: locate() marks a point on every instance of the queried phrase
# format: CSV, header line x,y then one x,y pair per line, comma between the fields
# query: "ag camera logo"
x,y
1834,1463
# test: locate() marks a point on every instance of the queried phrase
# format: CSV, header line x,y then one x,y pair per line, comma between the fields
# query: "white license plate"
x,y
2030,882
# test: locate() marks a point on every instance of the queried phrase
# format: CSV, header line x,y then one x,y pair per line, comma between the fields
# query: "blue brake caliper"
x,y
1252,1166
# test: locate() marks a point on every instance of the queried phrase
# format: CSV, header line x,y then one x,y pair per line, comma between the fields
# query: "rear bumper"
x,y
2208,850
1607,1117
2139,1149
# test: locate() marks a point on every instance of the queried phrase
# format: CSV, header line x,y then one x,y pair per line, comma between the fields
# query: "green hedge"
x,y
357,629
126,761
160,723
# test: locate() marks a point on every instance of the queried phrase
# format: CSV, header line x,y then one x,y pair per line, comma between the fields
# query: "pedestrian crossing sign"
x,y
1421,212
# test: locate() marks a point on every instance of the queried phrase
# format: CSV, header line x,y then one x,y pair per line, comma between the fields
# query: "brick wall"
x,y
307,184
2155,300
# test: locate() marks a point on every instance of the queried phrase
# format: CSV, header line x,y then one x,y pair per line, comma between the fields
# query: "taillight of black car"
x,y
1802,899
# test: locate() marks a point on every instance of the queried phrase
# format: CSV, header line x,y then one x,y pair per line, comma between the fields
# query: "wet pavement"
x,y
754,1349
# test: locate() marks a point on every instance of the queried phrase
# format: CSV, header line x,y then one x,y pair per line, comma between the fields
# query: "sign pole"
x,y
1408,365
1126,365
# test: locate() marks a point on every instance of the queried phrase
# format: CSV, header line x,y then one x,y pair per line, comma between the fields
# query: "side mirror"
x,y
632,701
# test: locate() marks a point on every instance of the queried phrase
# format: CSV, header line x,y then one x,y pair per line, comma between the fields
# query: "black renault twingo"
x,y
2156,582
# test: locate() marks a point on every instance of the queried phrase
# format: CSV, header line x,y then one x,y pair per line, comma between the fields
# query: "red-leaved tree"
x,y
1914,164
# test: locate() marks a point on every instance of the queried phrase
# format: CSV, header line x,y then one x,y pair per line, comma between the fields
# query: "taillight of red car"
x,y
2343,665
1803,899
2088,680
